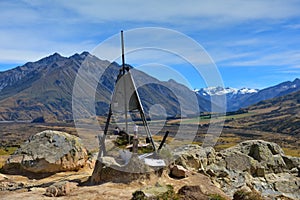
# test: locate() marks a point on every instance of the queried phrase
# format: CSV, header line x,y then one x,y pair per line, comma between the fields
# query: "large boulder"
x,y
107,169
255,154
49,152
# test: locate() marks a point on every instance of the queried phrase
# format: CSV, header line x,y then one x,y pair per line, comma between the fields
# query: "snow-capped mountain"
x,y
234,96
240,98
211,91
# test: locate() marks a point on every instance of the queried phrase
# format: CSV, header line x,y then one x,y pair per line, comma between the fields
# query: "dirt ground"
x,y
113,191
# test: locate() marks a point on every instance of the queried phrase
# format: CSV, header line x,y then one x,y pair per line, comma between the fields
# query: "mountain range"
x,y
242,98
44,89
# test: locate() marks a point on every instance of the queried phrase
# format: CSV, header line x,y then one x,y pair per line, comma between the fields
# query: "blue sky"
x,y
254,44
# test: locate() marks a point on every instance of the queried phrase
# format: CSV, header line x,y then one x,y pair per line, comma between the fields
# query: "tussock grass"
x,y
7,150
291,151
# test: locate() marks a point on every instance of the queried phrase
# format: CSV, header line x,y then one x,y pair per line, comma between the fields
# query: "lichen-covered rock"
x,y
284,183
108,170
49,152
240,162
194,156
262,153
11,185
58,189
259,165
155,192
291,162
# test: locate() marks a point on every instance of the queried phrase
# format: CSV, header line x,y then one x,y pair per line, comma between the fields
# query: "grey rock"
x,y
194,156
259,165
291,162
285,184
107,169
240,162
11,185
58,189
49,152
294,170
154,192
218,171
266,154
179,171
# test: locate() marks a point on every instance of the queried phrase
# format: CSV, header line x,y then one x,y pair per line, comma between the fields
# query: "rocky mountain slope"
x,y
44,88
242,98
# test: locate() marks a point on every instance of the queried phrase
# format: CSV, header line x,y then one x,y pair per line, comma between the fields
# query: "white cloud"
x,y
283,58
21,47
293,26
135,10
245,42
42,27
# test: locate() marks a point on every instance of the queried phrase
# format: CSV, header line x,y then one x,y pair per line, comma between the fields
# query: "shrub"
x,y
216,197
242,195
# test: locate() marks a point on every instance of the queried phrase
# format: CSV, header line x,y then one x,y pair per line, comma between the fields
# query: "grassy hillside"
x,y
280,115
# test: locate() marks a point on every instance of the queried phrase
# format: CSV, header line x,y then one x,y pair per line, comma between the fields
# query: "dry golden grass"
x,y
219,147
291,151
266,110
3,159
7,150
5,153
227,141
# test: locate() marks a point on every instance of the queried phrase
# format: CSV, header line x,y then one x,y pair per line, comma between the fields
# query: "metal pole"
x,y
123,56
125,95
142,113
163,140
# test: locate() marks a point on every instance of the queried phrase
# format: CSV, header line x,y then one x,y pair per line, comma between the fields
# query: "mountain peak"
x,y
297,80
56,55
52,58
85,53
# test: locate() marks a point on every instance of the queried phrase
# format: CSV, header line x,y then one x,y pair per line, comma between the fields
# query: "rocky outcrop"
x,y
49,152
186,192
257,154
259,165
